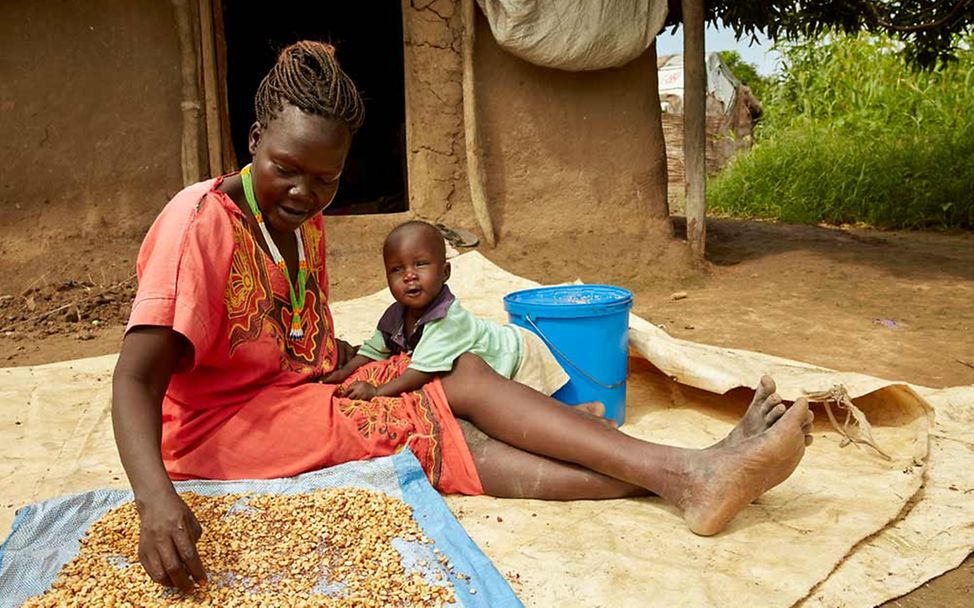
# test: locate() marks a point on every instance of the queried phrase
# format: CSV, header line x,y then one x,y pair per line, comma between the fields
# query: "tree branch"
x,y
949,18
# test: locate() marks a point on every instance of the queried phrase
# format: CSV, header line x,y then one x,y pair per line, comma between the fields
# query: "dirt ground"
x,y
891,304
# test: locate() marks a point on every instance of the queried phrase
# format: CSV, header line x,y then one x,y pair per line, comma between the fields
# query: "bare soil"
x,y
892,304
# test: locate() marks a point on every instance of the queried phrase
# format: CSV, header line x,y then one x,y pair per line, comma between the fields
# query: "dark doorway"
x,y
369,42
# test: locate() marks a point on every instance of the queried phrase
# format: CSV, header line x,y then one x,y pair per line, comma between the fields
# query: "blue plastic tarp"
x,y
47,535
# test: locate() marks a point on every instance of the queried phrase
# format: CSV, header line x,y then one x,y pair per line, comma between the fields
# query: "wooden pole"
x,y
475,176
219,36
214,139
184,14
695,123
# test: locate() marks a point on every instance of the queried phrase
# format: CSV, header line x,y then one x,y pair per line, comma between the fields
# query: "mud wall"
x,y
432,33
90,111
560,148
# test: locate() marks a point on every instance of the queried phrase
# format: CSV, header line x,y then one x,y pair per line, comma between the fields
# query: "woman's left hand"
x,y
345,352
336,377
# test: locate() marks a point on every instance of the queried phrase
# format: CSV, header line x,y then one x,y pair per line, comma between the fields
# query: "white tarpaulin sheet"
x,y
849,528
721,83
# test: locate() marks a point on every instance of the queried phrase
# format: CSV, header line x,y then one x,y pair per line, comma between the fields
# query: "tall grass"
x,y
851,134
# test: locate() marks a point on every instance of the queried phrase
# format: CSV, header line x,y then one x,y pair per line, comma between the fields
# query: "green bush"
x,y
852,134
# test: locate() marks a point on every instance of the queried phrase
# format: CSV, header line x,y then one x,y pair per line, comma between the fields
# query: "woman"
x,y
224,365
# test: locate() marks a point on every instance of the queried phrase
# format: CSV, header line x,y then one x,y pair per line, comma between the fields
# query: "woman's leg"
x,y
509,472
710,485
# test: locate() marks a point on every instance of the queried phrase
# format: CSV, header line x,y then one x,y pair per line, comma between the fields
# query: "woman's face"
x,y
298,160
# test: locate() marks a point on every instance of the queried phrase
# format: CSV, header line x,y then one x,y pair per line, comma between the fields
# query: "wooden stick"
x,y
214,143
191,94
695,123
475,176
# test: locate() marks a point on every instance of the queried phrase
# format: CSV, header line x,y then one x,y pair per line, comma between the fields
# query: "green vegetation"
x,y
851,134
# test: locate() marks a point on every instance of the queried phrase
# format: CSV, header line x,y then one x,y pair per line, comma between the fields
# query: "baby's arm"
x,y
409,381
372,349
341,374
442,342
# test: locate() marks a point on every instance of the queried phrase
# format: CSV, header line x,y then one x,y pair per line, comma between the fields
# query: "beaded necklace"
x,y
297,299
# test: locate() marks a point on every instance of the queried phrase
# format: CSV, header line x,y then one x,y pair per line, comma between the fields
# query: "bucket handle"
x,y
551,345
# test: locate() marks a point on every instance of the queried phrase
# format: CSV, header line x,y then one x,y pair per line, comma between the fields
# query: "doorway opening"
x,y
369,41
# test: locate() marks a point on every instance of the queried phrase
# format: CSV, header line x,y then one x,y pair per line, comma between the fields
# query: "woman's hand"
x,y
167,542
360,390
336,377
345,353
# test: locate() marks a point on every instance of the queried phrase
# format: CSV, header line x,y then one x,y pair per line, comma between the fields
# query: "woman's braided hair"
x,y
308,76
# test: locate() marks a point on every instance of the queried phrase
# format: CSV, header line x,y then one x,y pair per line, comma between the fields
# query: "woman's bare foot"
x,y
765,409
725,478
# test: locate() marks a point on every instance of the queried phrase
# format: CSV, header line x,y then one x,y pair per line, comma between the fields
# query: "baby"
x,y
428,323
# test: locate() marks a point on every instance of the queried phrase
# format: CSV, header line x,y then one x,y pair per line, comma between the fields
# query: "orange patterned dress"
x,y
245,402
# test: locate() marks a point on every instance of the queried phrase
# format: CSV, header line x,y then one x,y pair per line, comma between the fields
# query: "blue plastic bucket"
x,y
586,327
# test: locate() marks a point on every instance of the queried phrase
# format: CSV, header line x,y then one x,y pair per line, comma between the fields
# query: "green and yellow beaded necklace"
x,y
297,293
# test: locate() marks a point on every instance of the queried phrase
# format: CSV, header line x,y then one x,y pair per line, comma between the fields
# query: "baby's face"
x,y
416,268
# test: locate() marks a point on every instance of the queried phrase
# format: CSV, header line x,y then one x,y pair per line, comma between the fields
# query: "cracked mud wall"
x,y
91,116
432,32
90,110
561,150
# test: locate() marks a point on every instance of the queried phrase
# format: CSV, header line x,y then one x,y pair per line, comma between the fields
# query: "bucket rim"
x,y
516,301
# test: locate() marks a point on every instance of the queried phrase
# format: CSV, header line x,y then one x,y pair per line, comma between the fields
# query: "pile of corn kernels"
x,y
324,548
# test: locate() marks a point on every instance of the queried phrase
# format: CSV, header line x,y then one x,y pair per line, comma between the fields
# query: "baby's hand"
x,y
360,390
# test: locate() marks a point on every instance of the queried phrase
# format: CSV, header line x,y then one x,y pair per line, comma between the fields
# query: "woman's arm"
x,y
169,530
345,351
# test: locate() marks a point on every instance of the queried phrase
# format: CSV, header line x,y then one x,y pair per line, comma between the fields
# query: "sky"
x,y
722,39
